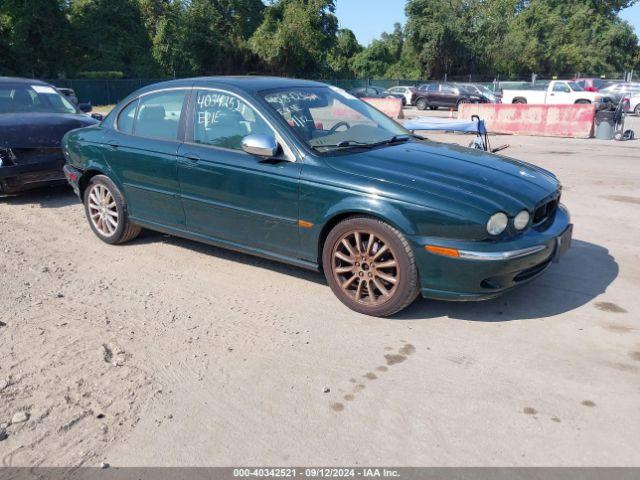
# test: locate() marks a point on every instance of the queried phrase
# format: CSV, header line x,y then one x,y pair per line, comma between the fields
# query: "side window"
x,y
126,117
561,87
159,115
223,120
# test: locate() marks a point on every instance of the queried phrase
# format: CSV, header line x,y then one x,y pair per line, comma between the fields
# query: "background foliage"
x,y
144,38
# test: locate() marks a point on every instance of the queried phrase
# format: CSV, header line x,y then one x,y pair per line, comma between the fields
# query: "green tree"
x,y
345,48
217,32
34,37
110,35
164,21
587,36
296,36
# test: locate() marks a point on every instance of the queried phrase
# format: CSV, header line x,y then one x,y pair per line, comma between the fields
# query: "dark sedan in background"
x,y
376,92
34,116
447,95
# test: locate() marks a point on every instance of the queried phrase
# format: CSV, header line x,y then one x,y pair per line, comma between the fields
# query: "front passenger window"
x,y
223,120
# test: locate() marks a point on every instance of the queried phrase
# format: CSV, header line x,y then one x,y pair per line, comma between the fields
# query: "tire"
x,y
422,104
637,110
361,285
460,102
520,101
582,102
106,212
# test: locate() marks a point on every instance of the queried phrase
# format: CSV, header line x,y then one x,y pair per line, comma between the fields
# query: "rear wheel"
x,y
637,109
582,102
370,266
422,104
106,211
520,101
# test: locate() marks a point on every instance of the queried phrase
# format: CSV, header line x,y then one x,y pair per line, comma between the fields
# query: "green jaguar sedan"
x,y
304,173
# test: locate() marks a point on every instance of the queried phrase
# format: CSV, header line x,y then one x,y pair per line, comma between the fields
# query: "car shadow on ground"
x,y
47,197
148,236
585,272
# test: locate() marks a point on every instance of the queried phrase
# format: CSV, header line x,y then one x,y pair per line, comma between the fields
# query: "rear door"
x,y
228,194
142,153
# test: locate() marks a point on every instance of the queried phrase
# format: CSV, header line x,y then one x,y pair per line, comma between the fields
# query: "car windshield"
x,y
328,118
33,99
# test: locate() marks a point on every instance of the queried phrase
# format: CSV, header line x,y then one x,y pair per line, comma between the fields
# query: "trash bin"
x,y
604,124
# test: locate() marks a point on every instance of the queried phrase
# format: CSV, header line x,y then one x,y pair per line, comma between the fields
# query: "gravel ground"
x,y
168,352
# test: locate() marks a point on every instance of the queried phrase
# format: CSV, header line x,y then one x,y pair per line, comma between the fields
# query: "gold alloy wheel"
x,y
365,267
103,210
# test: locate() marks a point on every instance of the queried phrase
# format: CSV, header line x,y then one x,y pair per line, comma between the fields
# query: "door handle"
x,y
112,145
192,156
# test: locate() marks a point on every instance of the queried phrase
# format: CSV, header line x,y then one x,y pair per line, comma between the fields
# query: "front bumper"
x,y
18,178
485,270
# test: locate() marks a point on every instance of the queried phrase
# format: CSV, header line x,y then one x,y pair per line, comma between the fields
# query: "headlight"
x,y
497,224
521,220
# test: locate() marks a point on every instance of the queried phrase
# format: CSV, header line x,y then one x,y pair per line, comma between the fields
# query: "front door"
x,y
228,194
142,153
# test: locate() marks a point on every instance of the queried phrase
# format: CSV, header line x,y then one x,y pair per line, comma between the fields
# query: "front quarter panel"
x,y
327,194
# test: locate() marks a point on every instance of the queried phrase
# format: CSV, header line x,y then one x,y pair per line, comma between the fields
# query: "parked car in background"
x,y
305,173
34,116
620,90
443,94
558,92
409,93
70,94
634,104
375,92
592,84
482,90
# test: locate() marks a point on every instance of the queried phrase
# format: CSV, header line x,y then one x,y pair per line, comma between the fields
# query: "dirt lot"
x,y
168,352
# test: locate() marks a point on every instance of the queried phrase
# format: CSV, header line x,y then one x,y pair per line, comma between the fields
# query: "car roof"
x,y
21,81
246,83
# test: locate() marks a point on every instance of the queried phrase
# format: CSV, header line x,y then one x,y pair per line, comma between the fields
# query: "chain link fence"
x,y
111,91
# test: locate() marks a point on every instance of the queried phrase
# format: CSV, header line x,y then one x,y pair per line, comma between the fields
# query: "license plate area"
x,y
563,243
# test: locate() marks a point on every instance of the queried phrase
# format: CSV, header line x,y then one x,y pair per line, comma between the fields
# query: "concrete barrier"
x,y
575,121
392,107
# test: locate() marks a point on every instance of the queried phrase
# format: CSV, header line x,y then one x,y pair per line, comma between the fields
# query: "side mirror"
x,y
97,116
85,107
260,145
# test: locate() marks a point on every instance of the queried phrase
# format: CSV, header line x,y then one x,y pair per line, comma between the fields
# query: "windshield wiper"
x,y
355,144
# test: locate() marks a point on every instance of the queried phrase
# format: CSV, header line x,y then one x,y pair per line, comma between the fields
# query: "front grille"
x,y
545,211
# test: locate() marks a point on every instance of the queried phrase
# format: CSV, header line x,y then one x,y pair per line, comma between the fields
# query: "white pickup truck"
x,y
559,92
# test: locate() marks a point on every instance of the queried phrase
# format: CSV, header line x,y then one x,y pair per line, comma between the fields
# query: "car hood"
x,y
39,130
461,176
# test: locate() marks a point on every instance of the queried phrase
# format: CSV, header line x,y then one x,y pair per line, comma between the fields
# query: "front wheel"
x,y
637,110
106,211
370,266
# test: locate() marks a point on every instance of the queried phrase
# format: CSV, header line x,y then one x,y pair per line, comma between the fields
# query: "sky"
x,y
369,18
